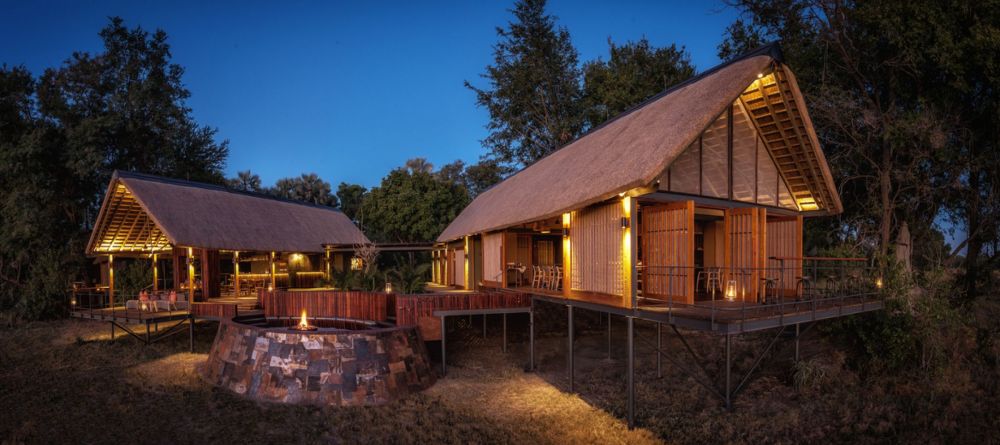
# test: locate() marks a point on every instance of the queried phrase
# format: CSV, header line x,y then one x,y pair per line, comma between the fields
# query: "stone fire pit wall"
x,y
325,367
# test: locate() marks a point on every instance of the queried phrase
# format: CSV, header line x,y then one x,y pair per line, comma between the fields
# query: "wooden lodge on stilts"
x,y
686,211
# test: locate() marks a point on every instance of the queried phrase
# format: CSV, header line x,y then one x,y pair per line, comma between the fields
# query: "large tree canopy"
x,y
534,90
61,137
904,96
633,73
306,188
411,206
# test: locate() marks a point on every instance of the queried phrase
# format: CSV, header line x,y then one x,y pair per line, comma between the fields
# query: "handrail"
x,y
817,258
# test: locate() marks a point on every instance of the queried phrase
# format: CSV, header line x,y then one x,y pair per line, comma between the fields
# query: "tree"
x,y
61,137
534,89
351,197
245,181
306,188
482,175
411,206
419,165
904,97
633,73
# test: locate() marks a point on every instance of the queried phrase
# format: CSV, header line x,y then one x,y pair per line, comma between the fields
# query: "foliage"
x,y
131,279
409,277
904,98
411,206
419,165
63,134
633,73
308,188
534,91
245,181
351,196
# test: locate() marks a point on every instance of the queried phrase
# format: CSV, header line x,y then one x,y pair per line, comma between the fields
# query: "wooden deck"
x,y
718,316
130,316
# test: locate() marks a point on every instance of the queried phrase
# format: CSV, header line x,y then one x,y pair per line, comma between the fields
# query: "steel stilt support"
x,y
147,332
112,330
191,333
609,335
631,372
796,343
505,333
659,350
729,363
484,326
444,368
569,348
531,336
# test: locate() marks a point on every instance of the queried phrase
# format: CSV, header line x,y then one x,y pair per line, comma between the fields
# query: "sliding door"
x,y
745,253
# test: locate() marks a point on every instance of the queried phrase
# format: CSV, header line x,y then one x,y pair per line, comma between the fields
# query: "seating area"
x,y
547,277
158,301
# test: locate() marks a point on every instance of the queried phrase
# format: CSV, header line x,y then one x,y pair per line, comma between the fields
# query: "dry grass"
x,y
66,382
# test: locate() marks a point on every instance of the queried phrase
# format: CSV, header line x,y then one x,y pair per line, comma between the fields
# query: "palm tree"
x,y
307,188
246,181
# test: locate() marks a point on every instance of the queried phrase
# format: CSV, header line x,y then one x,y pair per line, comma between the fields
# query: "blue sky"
x,y
348,90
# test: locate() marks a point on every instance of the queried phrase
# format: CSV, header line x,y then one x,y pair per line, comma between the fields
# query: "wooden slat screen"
x,y
784,239
744,256
418,310
458,266
596,240
493,257
668,252
361,305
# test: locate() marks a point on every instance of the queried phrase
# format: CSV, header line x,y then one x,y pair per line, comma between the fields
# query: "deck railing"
x,y
96,302
793,285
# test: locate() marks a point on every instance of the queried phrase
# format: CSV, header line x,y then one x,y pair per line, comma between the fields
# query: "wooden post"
x,y
190,267
567,256
156,274
326,253
274,284
111,282
236,272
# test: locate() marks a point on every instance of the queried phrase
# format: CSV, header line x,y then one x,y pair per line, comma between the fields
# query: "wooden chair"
x,y
536,276
557,282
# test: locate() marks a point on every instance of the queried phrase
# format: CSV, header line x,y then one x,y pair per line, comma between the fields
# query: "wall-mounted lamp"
x,y
625,222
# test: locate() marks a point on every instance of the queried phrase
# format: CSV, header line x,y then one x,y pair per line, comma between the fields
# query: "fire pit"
x,y
323,361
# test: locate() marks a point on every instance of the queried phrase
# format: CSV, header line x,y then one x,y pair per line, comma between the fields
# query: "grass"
x,y
65,381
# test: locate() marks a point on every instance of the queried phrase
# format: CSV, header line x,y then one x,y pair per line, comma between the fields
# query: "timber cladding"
x,y
361,305
668,251
596,240
418,310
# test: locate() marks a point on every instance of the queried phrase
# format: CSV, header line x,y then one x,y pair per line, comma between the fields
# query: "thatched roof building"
x,y
144,214
635,150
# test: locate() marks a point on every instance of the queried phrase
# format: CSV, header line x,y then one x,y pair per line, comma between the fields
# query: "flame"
x,y
878,282
303,323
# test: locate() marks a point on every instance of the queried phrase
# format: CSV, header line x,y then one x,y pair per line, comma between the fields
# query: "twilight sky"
x,y
348,90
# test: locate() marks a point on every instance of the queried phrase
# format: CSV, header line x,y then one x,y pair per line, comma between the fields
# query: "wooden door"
x,y
458,276
668,252
784,251
744,253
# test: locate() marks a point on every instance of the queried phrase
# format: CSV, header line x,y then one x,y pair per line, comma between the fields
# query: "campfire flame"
x,y
303,322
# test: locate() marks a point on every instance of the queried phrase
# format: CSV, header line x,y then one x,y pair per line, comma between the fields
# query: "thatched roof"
x,y
144,214
631,151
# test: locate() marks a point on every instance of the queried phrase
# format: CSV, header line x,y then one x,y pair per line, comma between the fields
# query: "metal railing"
x,y
96,303
789,285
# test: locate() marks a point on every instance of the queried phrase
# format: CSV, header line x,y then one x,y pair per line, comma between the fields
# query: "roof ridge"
x,y
216,187
772,49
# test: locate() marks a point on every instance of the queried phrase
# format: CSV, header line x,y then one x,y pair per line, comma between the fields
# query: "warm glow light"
x,y
731,290
270,288
303,322
760,75
807,204
388,287
357,263
878,282
565,220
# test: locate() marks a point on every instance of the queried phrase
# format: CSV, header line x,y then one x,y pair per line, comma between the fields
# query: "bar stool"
x,y
805,285
711,277
557,281
770,294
